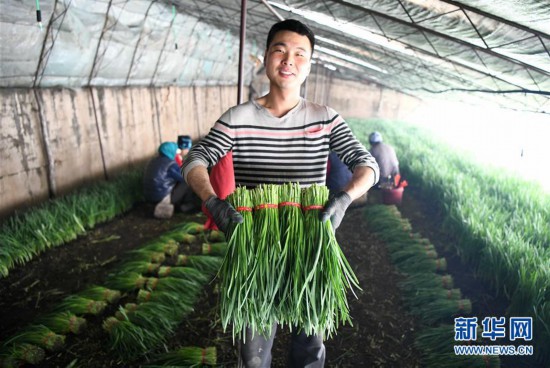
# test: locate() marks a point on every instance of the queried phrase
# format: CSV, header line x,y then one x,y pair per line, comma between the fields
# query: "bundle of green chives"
x,y
412,251
122,311
127,281
264,279
147,255
216,249
127,339
188,356
39,335
64,323
180,286
291,263
101,293
426,279
420,296
215,236
12,355
329,274
142,267
207,264
420,263
179,236
157,318
441,310
168,247
80,305
178,303
193,228
236,268
186,273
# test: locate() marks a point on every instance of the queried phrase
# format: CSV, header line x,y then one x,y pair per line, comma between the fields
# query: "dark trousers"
x,y
183,196
305,351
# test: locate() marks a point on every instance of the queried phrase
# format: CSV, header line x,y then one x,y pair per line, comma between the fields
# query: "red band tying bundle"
x,y
313,207
291,204
267,205
246,209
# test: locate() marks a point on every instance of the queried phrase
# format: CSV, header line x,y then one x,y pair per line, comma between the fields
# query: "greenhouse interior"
x,y
443,263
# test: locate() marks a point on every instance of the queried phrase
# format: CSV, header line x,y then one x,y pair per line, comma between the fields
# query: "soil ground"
x,y
382,331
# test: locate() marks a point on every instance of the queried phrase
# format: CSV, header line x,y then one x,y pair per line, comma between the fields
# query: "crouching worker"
x,y
164,186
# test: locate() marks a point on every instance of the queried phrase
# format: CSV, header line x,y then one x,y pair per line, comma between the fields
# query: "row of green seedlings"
x,y
26,235
48,333
428,292
283,265
163,296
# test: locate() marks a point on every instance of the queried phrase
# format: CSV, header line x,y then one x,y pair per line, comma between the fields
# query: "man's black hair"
x,y
292,25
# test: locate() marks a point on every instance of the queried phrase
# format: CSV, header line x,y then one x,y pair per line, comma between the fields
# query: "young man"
x,y
281,138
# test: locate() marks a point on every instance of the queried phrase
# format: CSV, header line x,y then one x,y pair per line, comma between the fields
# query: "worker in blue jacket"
x,y
164,186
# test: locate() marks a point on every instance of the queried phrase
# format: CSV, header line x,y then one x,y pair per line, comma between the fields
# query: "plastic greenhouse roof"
x,y
476,51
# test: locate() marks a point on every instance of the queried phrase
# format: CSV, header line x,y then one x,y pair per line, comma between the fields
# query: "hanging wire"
x,y
39,15
174,28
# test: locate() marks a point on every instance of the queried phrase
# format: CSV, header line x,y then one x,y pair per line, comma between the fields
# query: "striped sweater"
x,y
271,150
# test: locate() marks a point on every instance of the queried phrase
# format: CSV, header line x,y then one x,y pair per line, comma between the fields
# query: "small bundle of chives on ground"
x,y
188,356
264,279
101,293
127,339
291,262
421,296
179,236
207,264
186,273
178,303
236,269
421,263
39,335
147,255
192,228
410,252
128,307
329,274
180,286
13,355
126,281
426,280
168,247
215,236
216,249
143,267
80,305
157,318
442,310
64,323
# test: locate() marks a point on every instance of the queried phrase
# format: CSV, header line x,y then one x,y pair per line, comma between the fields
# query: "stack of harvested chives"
x,y
283,265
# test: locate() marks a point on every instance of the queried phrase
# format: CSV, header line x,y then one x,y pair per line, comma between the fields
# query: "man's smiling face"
x,y
288,60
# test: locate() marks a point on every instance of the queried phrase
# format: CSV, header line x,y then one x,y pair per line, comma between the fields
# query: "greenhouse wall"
x,y
55,140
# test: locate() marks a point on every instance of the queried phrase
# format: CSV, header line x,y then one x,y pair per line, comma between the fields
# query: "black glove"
x,y
335,209
222,213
